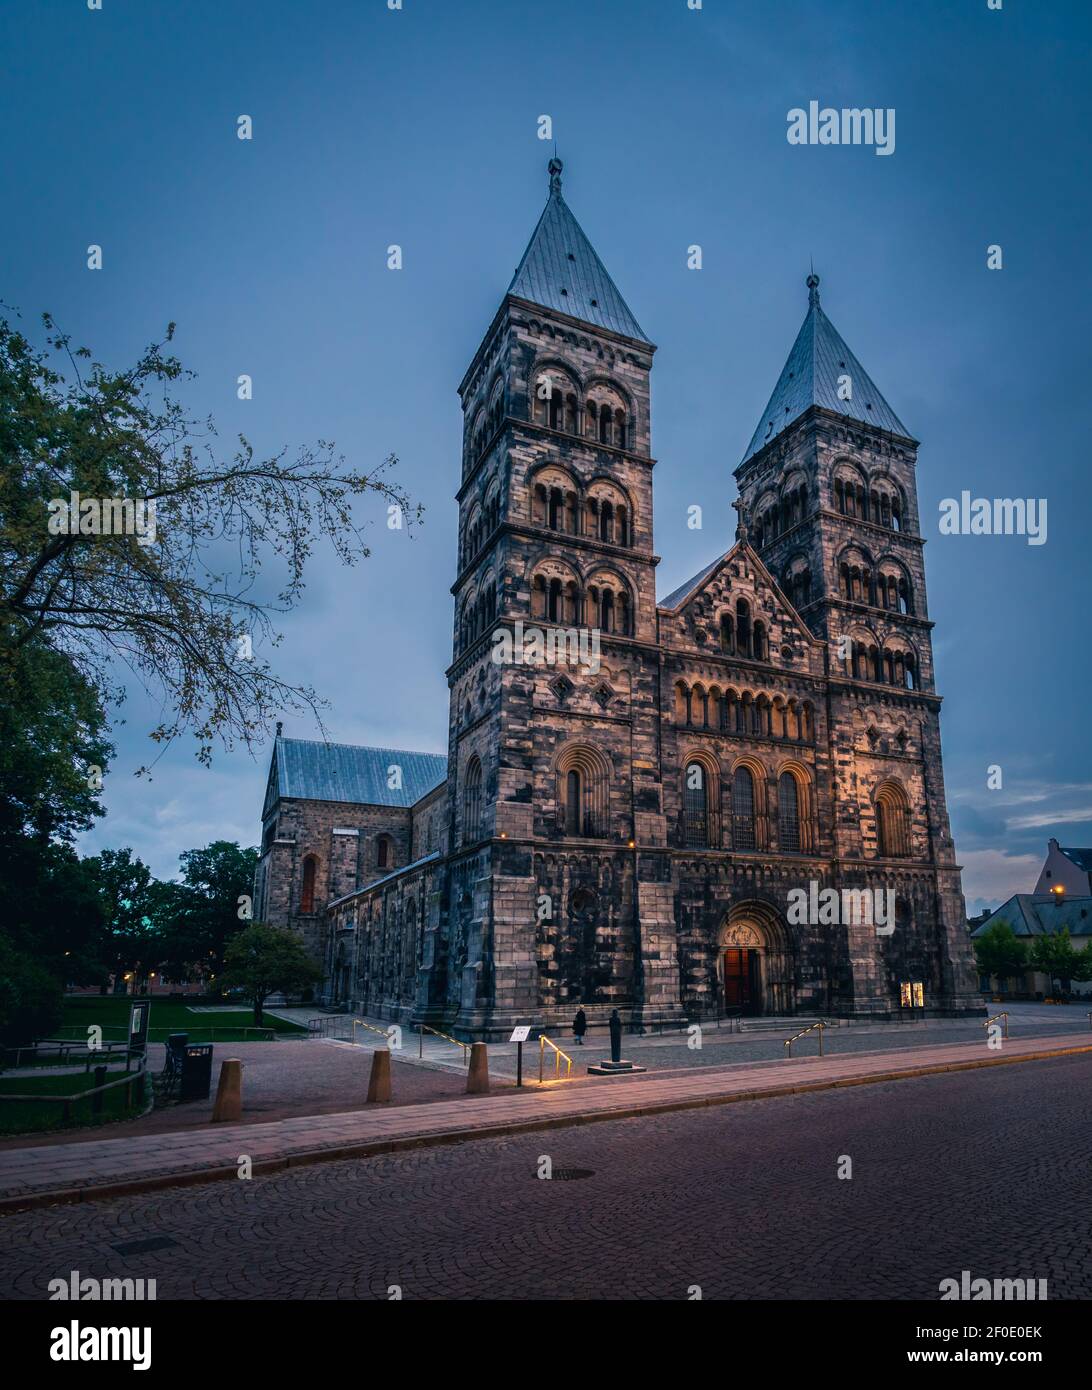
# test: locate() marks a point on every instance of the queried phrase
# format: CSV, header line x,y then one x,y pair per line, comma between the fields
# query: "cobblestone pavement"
x,y
986,1171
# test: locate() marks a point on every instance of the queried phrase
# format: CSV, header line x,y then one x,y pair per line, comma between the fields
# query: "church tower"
x,y
828,498
554,670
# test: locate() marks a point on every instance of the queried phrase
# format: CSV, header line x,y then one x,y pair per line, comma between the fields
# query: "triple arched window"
x,y
740,635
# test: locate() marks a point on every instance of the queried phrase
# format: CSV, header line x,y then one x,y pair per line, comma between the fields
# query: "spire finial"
x,y
741,525
555,167
813,289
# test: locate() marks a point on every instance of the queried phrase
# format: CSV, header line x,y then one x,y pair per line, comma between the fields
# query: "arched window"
x,y
472,802
727,634
788,813
384,852
743,627
892,821
307,891
573,801
583,791
696,806
743,809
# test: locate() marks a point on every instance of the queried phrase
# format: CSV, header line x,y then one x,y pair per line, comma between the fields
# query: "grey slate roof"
x,y
1041,914
810,377
561,271
314,771
1081,857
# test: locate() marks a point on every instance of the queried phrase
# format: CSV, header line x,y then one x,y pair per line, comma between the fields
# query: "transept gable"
x,y
735,608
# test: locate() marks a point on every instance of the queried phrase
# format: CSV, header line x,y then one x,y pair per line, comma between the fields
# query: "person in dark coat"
x,y
580,1026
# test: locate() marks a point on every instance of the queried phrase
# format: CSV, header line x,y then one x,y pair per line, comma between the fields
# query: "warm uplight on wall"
x,y
1058,890
633,844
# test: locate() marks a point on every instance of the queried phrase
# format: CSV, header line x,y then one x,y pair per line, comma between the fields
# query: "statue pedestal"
x,y
613,1068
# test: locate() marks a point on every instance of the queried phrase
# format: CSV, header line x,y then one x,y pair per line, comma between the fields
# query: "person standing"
x,y
580,1026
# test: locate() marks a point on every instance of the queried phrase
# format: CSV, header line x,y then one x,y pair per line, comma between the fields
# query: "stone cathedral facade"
x,y
639,794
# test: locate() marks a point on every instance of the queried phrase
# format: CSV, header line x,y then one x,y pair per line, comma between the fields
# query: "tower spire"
x,y
812,283
555,167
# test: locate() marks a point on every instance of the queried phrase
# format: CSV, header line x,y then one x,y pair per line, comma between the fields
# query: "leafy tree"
x,y
1055,956
999,951
30,998
52,753
176,612
262,960
130,899
197,917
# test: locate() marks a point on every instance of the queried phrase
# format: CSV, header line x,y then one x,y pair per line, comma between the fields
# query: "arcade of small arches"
x,y
481,522
601,511
602,601
478,611
600,414
774,515
895,666
698,706
878,501
883,585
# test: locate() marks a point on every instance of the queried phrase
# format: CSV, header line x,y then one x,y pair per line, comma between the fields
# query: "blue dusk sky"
x,y
419,127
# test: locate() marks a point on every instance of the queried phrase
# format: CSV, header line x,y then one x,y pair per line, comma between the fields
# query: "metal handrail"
x,y
423,1028
359,1023
820,1025
1003,1015
543,1043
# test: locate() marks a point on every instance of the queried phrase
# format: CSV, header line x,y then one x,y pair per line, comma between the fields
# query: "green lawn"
x,y
35,1117
111,1013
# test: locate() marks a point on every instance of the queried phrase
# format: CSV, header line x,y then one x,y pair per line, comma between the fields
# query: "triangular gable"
x,y
686,594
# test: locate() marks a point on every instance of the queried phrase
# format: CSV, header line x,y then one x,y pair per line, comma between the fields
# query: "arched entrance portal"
x,y
756,969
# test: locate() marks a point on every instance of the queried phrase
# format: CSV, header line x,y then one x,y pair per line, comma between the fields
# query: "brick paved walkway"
x,y
979,1170
98,1167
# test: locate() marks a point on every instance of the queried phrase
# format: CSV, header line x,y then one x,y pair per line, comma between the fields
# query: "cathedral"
x,y
639,794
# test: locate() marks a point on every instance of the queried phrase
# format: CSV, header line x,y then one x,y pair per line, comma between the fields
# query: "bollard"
x,y
477,1079
379,1086
229,1092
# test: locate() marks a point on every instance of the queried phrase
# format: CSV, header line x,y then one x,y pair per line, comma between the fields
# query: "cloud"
x,y
990,876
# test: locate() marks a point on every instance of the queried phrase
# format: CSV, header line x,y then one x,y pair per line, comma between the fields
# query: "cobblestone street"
x,y
986,1171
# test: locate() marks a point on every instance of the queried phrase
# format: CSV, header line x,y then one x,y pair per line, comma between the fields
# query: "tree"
x,y
30,998
197,917
151,588
261,960
999,951
52,753
1055,956
132,938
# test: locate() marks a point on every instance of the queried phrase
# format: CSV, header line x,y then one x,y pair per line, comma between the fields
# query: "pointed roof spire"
x,y
821,370
560,270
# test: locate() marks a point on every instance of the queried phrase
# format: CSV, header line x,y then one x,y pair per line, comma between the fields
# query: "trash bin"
x,y
196,1072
